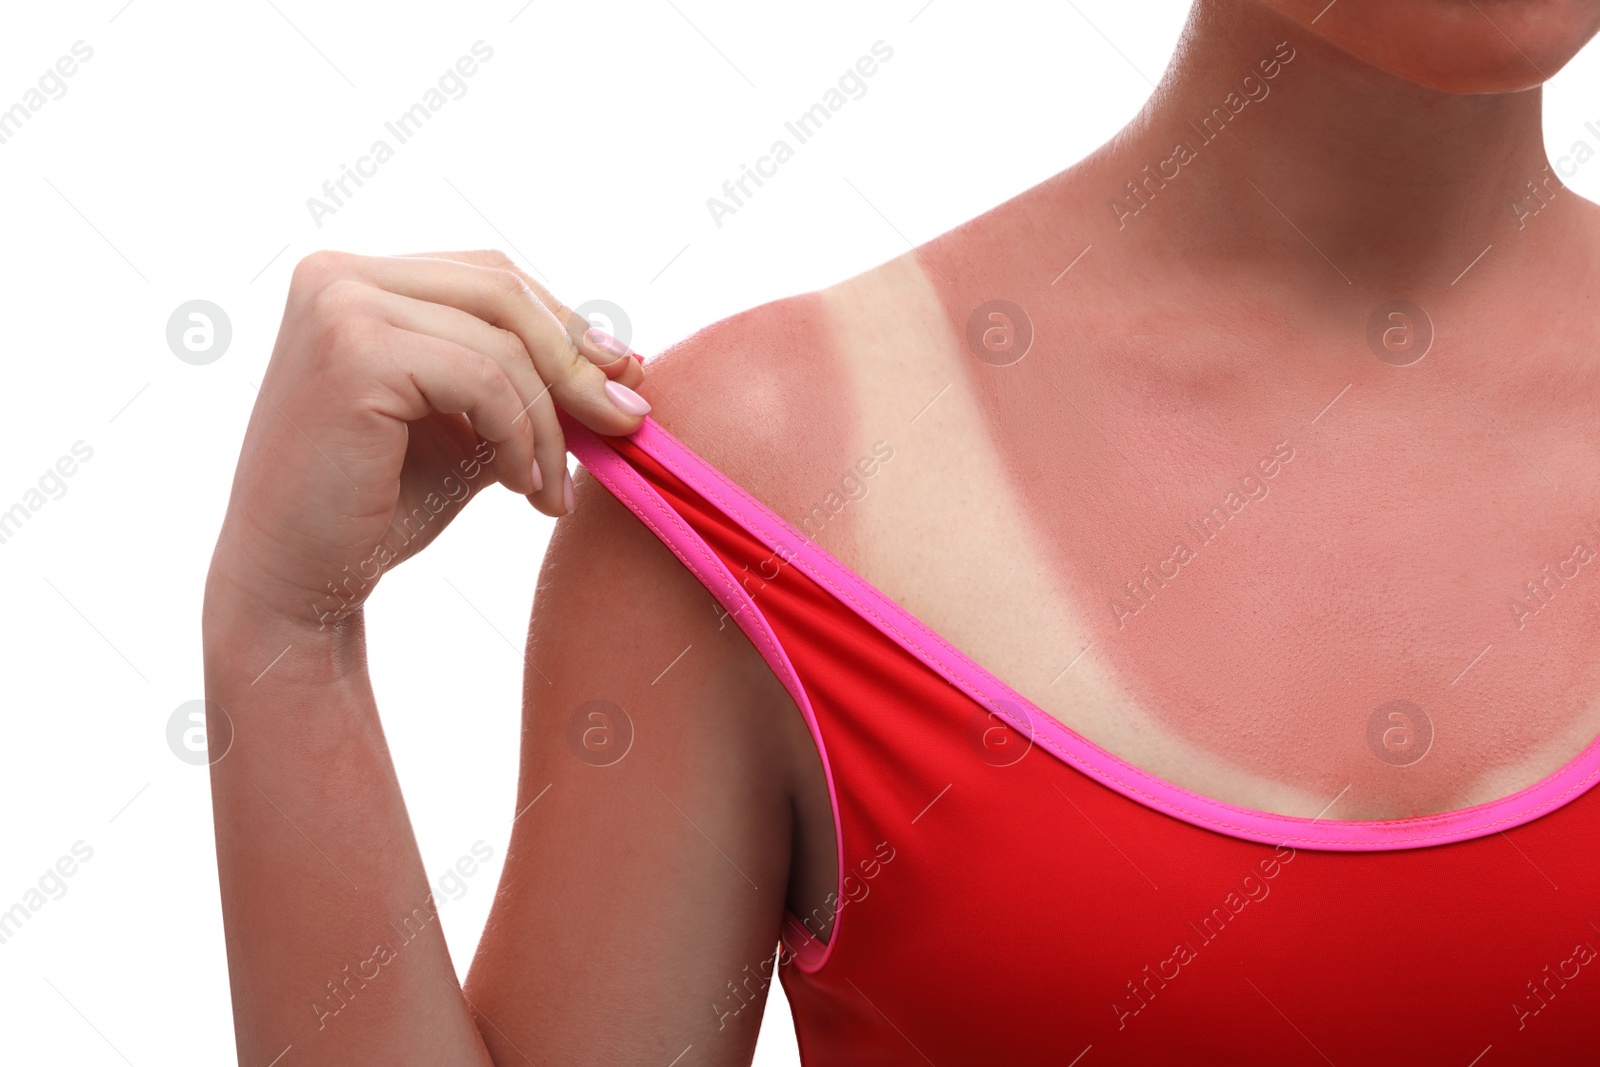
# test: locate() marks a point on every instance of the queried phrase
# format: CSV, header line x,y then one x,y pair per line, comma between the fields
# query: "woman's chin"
x,y
1454,46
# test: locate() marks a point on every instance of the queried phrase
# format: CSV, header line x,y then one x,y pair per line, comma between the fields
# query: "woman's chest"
x,y
1322,586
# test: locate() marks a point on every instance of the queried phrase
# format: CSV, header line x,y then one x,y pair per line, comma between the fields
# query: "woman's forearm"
x,y
334,943
399,386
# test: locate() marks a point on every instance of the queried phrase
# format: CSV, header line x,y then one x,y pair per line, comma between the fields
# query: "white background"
x,y
177,166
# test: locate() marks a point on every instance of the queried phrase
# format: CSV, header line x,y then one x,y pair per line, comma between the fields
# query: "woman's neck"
x,y
1303,165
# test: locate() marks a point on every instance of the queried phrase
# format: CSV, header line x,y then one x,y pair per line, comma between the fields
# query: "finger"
x,y
422,374
548,447
609,353
502,298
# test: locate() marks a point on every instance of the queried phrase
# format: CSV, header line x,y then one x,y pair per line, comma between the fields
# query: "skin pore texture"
x,y
1314,523
1259,447
1374,522
1208,336
1219,320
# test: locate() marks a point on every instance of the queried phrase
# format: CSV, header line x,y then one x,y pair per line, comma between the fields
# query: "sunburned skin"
x,y
1267,553
1396,612
1352,633
1269,532
765,396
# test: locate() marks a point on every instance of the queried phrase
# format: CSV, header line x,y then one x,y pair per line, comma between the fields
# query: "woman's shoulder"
x,y
772,395
808,371
790,398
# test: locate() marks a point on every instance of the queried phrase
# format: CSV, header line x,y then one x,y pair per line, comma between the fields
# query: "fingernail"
x,y
566,490
538,477
629,401
605,342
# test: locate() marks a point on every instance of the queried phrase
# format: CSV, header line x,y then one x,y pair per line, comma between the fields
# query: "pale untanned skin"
x,y
1228,315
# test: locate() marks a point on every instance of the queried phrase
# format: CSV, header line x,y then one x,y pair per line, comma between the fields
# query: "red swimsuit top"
x,y
1011,893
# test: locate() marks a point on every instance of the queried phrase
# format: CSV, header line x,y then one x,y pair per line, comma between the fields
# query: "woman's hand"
x,y
398,386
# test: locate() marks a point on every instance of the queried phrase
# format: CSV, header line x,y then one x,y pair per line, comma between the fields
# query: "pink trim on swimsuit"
x,y
1572,780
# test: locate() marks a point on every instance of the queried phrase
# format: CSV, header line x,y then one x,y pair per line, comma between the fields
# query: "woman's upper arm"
x,y
647,869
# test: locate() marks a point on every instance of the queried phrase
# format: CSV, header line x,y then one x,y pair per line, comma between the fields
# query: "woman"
x,y
1249,465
